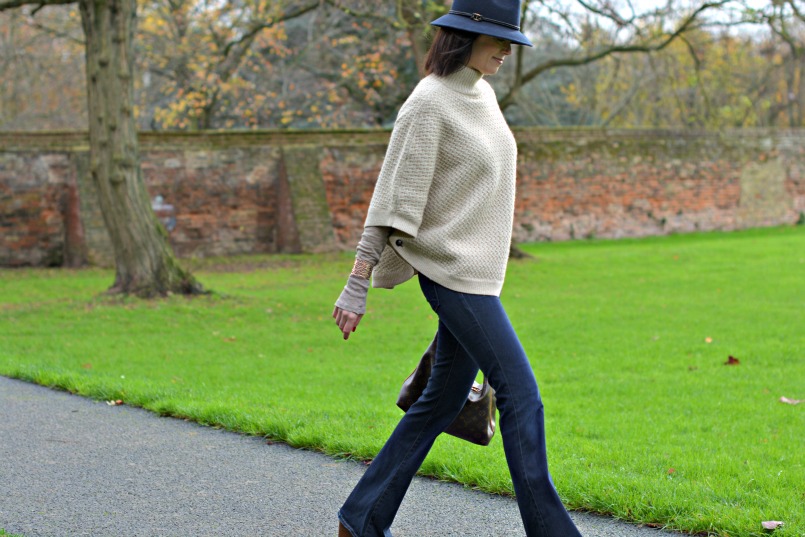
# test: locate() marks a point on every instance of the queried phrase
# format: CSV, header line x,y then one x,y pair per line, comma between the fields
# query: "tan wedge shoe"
x,y
342,531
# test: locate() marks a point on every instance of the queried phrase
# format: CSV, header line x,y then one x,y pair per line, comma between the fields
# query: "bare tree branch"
x,y
364,14
799,13
697,66
625,101
10,4
244,41
234,51
563,16
608,12
687,24
57,33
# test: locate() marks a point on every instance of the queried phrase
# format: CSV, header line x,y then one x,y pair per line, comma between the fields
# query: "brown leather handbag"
x,y
476,421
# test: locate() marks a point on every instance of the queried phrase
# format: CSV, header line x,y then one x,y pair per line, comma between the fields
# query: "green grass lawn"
x,y
628,340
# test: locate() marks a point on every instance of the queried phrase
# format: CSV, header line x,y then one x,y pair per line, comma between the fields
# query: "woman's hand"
x,y
347,321
351,305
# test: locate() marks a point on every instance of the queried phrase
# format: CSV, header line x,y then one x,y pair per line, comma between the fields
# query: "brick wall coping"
x,y
581,136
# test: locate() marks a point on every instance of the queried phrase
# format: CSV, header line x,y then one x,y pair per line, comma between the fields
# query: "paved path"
x,y
70,466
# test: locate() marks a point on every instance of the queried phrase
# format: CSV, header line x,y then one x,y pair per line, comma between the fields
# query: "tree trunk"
x,y
144,261
517,253
415,16
419,46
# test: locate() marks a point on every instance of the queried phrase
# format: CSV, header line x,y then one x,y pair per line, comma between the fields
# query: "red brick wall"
x,y
349,174
587,183
224,199
33,195
633,183
241,193
612,189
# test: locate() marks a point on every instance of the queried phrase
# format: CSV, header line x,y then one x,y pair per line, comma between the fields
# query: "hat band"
x,y
477,17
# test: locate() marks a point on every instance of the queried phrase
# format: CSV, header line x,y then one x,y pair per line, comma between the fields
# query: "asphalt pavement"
x,y
70,466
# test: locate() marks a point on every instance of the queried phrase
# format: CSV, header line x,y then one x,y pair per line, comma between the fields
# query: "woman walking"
x,y
442,209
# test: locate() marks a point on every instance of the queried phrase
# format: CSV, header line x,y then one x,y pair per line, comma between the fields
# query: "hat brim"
x,y
458,22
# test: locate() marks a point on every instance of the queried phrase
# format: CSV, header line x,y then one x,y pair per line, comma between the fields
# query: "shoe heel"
x,y
342,531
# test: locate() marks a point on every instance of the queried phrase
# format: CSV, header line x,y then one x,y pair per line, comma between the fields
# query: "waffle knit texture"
x,y
447,187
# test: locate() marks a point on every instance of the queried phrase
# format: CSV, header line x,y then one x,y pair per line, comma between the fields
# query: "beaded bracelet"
x,y
362,269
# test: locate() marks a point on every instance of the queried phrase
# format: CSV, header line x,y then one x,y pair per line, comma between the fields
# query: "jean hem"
x,y
346,524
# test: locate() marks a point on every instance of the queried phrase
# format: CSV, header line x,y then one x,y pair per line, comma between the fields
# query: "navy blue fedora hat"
x,y
498,18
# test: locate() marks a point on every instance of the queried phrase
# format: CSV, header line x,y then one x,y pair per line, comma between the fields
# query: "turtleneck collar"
x,y
465,80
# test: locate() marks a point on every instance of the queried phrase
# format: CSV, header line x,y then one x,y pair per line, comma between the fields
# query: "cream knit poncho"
x,y
447,188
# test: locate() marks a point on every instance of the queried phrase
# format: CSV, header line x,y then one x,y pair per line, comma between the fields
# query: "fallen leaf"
x,y
771,524
788,401
86,366
671,470
230,339
708,340
732,360
115,402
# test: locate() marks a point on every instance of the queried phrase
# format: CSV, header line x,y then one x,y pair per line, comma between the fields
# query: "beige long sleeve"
x,y
370,247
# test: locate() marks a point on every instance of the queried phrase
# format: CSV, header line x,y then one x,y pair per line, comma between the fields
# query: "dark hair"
x,y
449,52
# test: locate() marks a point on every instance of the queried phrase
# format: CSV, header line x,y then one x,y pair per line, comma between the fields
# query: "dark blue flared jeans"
x,y
474,332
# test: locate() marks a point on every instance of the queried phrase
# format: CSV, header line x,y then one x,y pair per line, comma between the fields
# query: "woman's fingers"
x,y
347,321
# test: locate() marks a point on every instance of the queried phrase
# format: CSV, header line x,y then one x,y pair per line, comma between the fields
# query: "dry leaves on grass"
x,y
771,524
788,401
732,360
